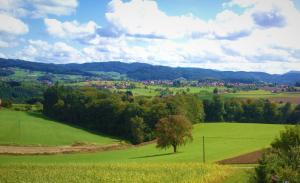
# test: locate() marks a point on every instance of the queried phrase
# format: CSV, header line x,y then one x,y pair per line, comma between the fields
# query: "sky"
x,y
237,35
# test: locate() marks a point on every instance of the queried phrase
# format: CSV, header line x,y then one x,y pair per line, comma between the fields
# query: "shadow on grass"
x,y
155,155
42,116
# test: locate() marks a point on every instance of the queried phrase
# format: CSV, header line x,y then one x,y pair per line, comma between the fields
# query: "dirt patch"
x,y
248,158
43,150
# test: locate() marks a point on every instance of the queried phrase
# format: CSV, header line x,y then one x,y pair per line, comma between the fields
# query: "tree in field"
x,y
216,91
174,130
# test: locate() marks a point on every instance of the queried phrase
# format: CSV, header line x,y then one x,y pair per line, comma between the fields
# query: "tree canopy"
x,y
174,130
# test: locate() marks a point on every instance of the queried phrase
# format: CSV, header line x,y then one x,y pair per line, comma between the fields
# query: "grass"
x,y
139,164
222,140
239,176
24,128
131,173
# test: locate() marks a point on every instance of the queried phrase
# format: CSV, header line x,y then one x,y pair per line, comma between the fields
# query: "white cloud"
x,y
38,8
86,33
13,7
10,29
263,37
59,52
142,18
11,25
54,7
229,25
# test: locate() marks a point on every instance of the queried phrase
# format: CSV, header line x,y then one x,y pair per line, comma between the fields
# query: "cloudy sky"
x,y
249,35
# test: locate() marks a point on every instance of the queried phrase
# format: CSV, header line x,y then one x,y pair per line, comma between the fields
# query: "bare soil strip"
x,y
44,150
248,158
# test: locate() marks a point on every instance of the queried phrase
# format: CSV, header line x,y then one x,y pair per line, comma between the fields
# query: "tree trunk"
x,y
175,148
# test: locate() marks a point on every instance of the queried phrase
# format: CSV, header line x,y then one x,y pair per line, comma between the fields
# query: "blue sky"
x,y
249,35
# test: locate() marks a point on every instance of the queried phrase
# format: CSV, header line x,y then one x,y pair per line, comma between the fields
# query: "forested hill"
x,y
141,71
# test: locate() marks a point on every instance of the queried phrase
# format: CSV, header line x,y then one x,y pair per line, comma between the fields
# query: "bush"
x,y
6,104
282,162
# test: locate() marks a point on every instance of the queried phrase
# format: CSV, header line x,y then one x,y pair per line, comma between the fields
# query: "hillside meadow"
x,y
29,128
135,164
222,140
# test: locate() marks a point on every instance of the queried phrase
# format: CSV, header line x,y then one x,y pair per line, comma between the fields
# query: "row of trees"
x,y
118,114
135,118
255,111
21,92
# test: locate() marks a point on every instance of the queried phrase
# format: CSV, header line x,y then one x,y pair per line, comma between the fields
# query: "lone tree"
x,y
174,130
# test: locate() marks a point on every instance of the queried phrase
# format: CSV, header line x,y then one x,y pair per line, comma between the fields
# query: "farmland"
x,y
29,128
222,140
205,92
132,172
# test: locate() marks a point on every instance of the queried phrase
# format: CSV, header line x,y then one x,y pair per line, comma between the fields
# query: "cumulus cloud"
x,y
261,37
11,25
54,7
231,26
144,19
10,28
59,52
38,8
85,33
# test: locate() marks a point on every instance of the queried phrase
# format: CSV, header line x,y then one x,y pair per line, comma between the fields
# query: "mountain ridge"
x,y
144,71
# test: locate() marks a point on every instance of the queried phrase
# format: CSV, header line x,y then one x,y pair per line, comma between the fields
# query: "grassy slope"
x,y
223,140
25,128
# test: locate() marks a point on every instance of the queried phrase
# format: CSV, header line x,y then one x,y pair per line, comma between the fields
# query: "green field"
x,y
136,164
222,140
24,128
131,173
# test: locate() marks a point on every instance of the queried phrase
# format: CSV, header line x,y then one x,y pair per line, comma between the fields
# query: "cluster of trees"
x,y
6,72
118,113
21,92
281,163
255,111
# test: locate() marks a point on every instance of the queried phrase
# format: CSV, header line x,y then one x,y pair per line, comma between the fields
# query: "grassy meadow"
x,y
131,173
29,128
222,140
136,164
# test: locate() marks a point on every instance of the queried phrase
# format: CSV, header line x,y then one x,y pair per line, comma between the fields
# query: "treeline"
x,y
254,111
6,72
21,92
119,114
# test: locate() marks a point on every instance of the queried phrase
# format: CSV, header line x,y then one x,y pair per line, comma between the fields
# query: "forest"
x,y
134,118
118,113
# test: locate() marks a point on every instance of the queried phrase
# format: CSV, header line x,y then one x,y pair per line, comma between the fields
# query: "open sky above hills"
x,y
249,35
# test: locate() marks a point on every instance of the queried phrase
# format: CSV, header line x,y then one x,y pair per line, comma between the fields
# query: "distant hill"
x,y
142,71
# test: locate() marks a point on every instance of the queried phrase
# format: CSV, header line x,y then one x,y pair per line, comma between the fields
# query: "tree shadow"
x,y
155,155
42,116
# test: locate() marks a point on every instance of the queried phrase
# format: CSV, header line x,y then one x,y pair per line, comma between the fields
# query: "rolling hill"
x,y
141,71
24,128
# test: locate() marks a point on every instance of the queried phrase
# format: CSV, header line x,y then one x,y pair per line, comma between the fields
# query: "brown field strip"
x,y
44,150
248,158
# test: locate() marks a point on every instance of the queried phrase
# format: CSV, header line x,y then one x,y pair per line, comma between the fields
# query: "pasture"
x,y
135,164
29,128
222,140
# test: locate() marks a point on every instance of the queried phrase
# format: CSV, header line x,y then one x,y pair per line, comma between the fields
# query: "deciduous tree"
x,y
174,130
